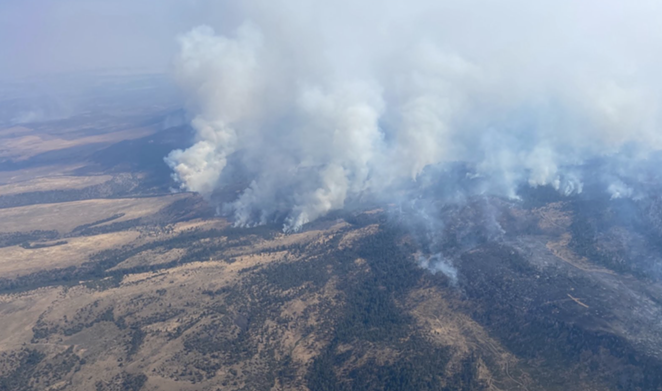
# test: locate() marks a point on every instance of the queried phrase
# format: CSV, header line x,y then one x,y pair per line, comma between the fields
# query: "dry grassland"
x,y
16,260
20,312
447,326
53,183
27,174
561,249
66,216
175,297
202,224
20,145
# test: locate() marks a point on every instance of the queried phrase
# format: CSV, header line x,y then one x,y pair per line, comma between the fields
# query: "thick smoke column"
x,y
220,76
329,103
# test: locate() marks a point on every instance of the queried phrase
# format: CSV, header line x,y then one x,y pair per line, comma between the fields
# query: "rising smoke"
x,y
326,104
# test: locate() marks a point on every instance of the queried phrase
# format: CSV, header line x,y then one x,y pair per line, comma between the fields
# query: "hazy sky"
x,y
44,36
47,36
332,100
328,100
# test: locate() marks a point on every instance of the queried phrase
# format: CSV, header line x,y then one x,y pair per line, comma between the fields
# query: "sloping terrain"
x,y
108,281
341,306
242,309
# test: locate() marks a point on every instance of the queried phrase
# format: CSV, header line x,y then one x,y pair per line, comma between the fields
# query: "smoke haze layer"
x,y
327,104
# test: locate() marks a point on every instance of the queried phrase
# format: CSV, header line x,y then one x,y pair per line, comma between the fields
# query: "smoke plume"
x,y
323,105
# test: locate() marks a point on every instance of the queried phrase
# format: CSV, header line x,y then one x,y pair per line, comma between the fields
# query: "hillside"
x,y
109,281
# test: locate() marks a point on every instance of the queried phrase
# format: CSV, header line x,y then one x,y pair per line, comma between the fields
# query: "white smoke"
x,y
220,76
618,189
327,103
437,264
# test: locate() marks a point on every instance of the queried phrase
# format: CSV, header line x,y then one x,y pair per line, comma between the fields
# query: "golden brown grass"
x,y
27,174
447,326
560,248
66,216
16,260
20,145
53,183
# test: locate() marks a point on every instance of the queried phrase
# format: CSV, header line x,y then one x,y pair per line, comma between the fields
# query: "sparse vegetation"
x,y
188,302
